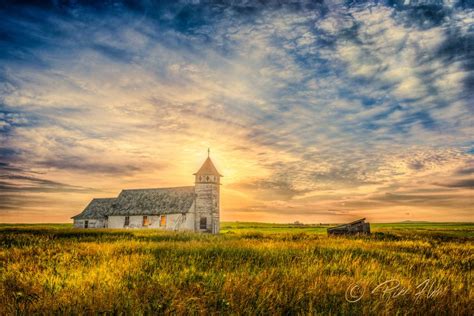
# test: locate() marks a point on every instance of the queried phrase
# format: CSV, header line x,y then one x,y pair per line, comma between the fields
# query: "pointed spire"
x,y
208,152
208,167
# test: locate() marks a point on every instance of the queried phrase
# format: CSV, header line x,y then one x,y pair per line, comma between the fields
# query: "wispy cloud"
x,y
314,110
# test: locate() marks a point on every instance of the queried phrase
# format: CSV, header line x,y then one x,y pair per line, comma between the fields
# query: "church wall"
x,y
116,221
173,222
187,223
135,221
92,223
207,206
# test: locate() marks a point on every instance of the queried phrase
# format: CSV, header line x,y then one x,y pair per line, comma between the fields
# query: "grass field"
x,y
249,269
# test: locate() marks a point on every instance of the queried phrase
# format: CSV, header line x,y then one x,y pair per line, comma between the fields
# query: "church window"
x,y
207,178
86,224
162,220
146,222
127,221
203,223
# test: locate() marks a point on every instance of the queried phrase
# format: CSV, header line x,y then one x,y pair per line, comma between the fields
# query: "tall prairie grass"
x,y
243,271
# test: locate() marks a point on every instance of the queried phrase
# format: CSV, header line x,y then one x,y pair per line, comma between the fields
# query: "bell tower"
x,y
207,189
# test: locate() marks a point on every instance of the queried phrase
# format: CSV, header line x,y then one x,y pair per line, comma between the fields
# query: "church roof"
x,y
154,201
208,168
97,208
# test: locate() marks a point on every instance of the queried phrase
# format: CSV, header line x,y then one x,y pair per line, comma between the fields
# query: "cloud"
x,y
309,106
19,180
464,183
271,189
465,171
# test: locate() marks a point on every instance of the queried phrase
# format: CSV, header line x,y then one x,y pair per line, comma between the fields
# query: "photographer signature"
x,y
392,289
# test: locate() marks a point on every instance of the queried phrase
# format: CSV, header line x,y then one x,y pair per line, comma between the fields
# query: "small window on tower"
x,y
146,222
163,221
203,223
127,221
207,178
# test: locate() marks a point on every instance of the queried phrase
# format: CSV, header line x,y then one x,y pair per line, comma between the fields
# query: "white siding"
x,y
173,222
92,223
187,223
135,221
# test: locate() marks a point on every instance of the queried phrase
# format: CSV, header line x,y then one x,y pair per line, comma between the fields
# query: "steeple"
x,y
208,172
207,190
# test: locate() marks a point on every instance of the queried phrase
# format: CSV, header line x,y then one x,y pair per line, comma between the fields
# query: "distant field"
x,y
444,229
250,268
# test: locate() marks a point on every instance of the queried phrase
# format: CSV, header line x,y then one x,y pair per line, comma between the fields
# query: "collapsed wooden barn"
x,y
353,228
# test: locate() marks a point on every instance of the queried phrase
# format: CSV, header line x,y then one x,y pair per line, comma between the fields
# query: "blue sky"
x,y
314,110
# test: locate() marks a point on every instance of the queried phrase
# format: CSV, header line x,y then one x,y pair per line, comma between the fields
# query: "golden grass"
x,y
68,271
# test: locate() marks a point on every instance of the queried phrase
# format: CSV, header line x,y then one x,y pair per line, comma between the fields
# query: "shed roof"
x,y
154,201
343,226
96,209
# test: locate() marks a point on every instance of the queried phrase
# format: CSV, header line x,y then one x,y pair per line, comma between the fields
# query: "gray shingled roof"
x,y
154,201
97,208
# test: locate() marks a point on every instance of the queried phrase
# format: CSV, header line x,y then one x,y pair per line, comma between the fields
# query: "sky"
x,y
314,111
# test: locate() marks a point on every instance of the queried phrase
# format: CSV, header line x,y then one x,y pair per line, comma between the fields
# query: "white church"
x,y
191,208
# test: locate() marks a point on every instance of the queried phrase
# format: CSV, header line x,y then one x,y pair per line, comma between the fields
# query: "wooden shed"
x,y
353,228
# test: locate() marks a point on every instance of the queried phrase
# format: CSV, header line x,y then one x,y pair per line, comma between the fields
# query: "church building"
x,y
191,208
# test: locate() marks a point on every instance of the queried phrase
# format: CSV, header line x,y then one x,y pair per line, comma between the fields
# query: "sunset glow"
x,y
313,112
